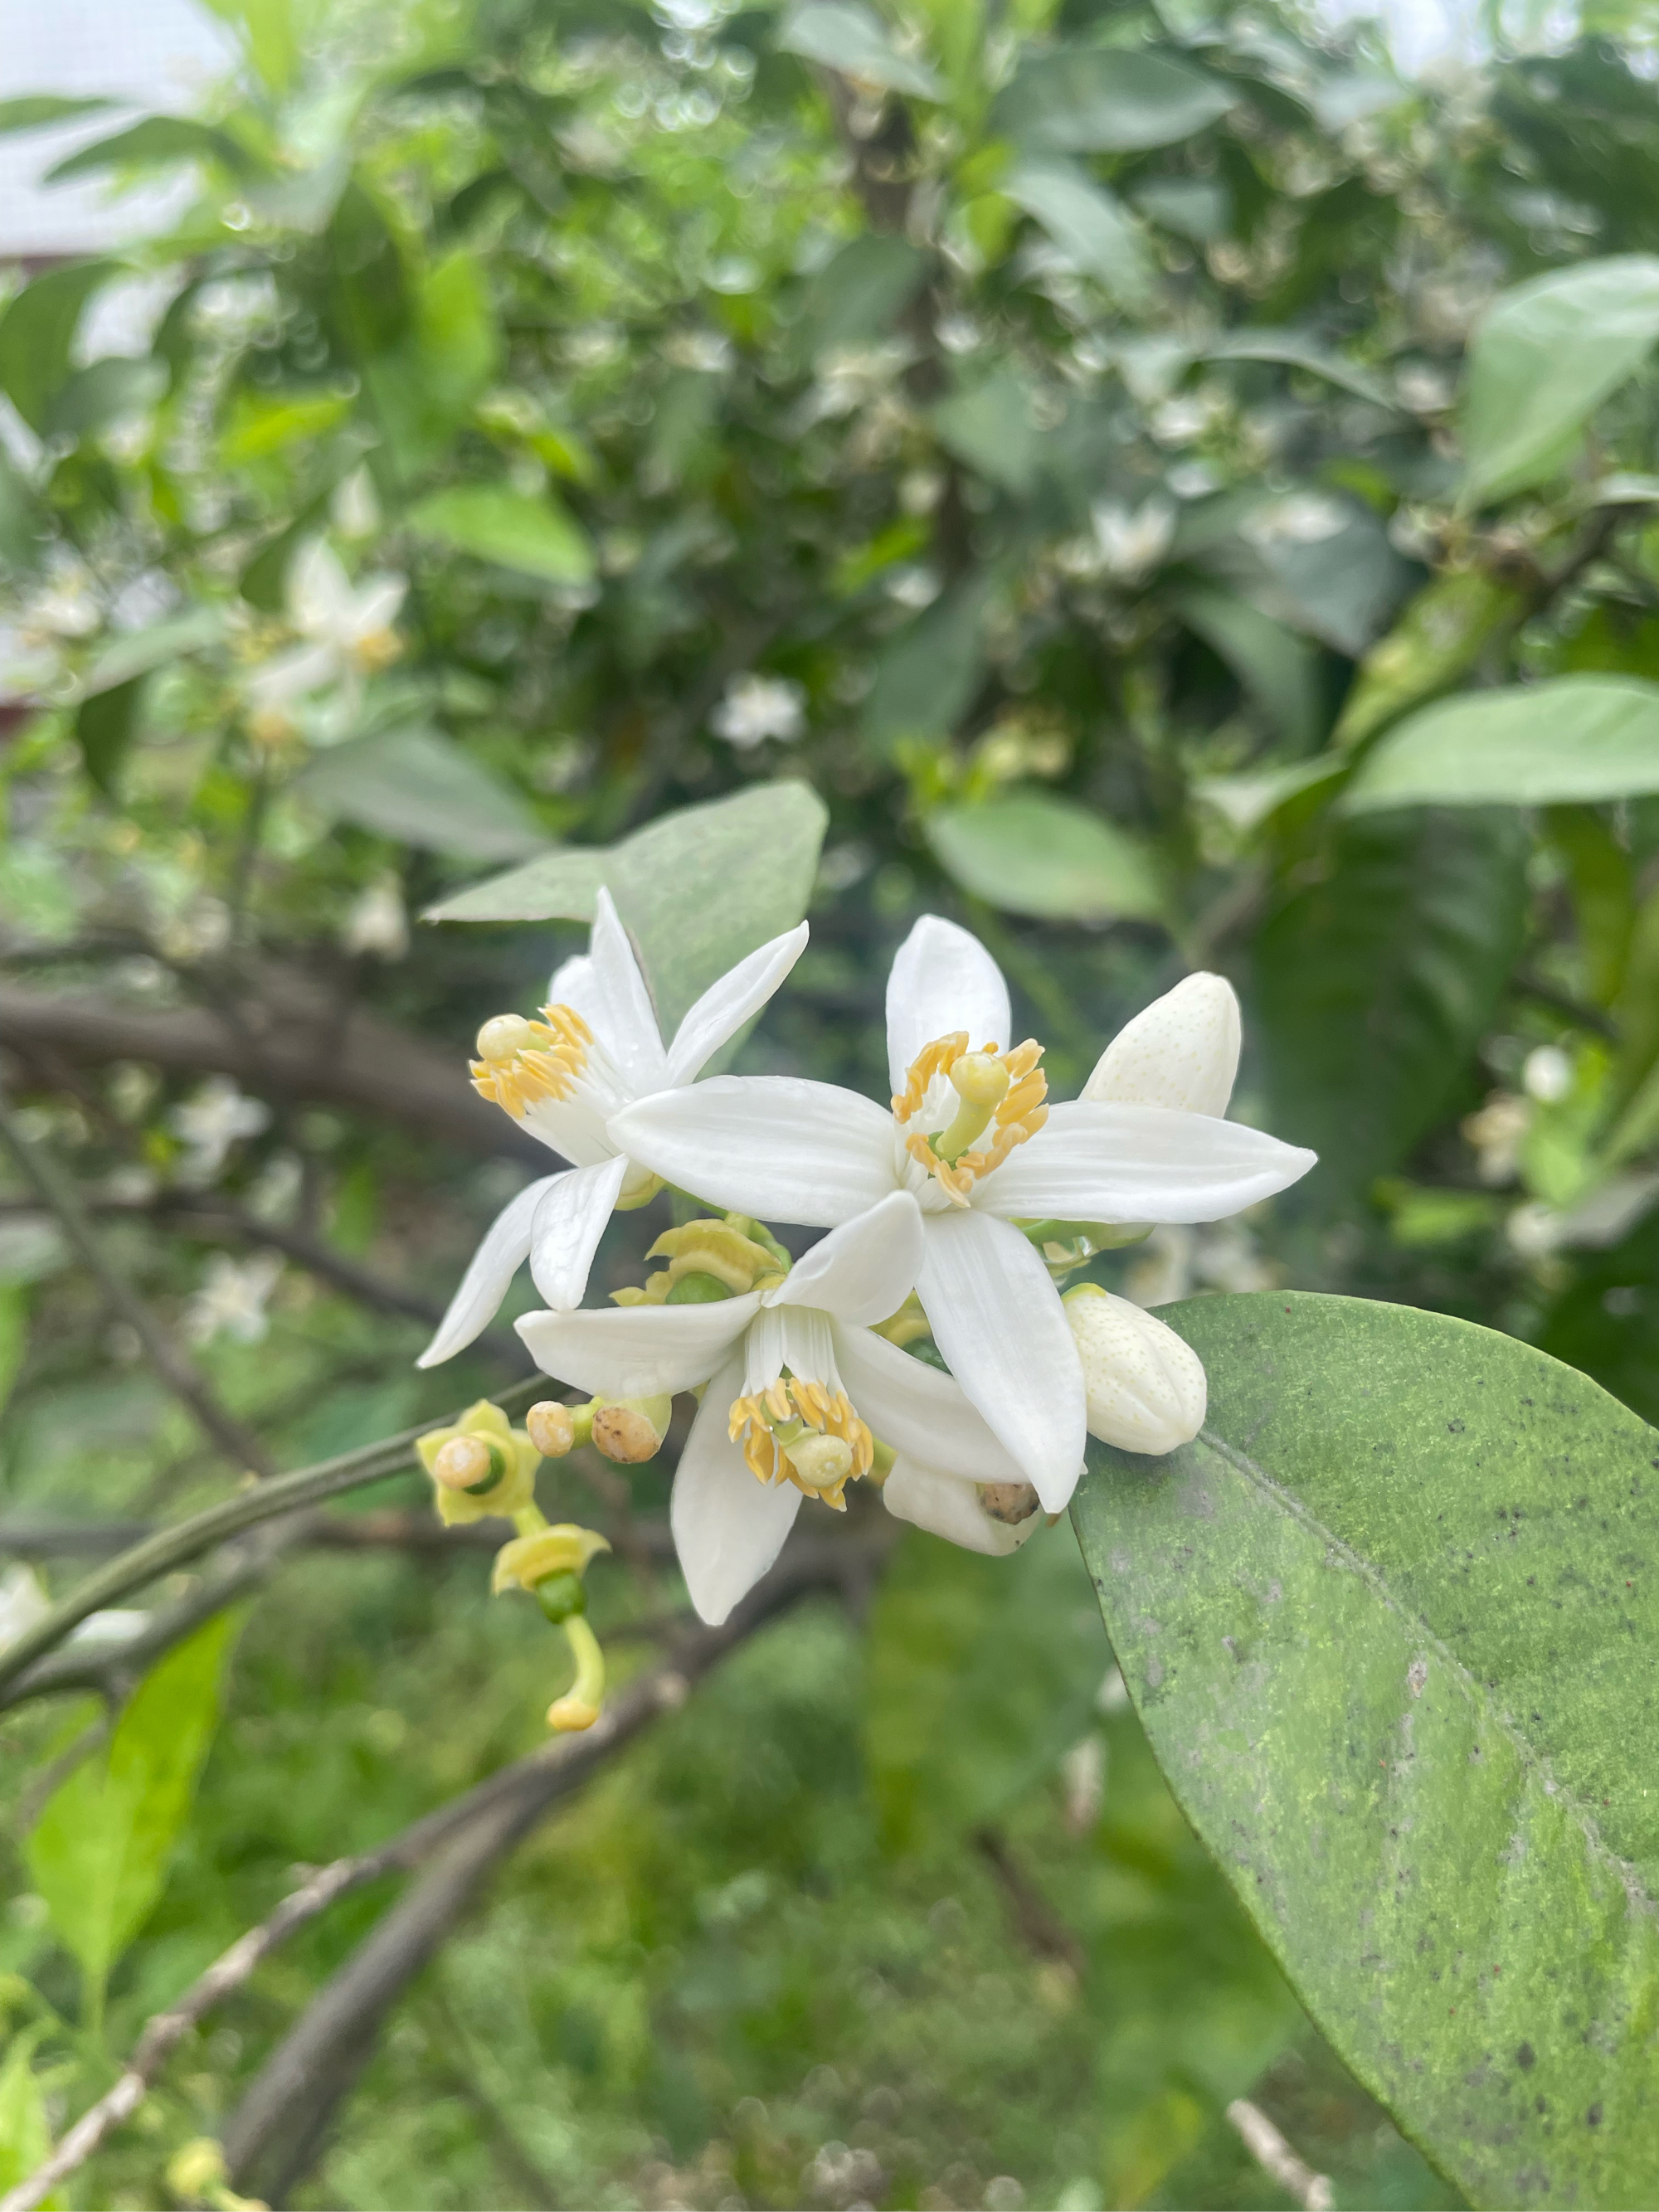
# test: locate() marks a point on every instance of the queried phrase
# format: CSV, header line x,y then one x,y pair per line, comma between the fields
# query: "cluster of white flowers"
x,y
345,632
939,1203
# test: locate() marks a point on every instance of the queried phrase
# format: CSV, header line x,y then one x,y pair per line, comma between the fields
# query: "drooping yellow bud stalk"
x,y
580,1705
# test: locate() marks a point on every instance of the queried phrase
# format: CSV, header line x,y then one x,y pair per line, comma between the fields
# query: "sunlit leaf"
x,y
534,535
1543,359
851,39
98,1852
1034,853
1380,1622
417,785
1571,737
698,889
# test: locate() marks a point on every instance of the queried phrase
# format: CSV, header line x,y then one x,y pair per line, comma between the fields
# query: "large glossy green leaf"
x,y
1376,974
515,529
1280,670
1582,737
1032,853
851,39
1543,359
698,889
1106,100
98,1852
1090,228
1387,1621
37,332
1440,634
420,786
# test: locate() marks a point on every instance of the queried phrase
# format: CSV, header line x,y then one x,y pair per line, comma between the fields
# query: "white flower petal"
x,y
629,1032
943,980
997,1317
292,674
1144,1385
319,591
502,1252
946,1506
638,1351
1100,1162
728,1527
724,1006
568,1224
863,1271
771,1145
574,984
915,1409
1182,1051
375,604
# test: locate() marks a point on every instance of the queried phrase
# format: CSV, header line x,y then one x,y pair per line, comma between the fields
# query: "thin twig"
x,y
1312,2191
240,1444
175,1548
1040,1926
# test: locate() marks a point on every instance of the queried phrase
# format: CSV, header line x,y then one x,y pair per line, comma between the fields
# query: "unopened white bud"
x,y
1182,1051
981,1516
1144,1385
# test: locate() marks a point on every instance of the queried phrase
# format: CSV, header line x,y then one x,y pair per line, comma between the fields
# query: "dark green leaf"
x,y
156,142
1381,1622
1088,225
699,889
851,39
927,676
1279,670
1573,738
1375,981
104,727
98,1853
1543,359
1440,634
136,652
1106,100
103,392
1340,585
34,109
420,786
37,332
861,293
1296,350
493,522
1032,853
990,426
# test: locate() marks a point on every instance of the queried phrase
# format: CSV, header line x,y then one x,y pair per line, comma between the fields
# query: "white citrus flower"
x,y
970,1134
798,1390
210,1121
759,706
596,1048
232,1300
346,630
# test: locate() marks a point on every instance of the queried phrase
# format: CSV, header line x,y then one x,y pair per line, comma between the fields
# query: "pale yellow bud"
x,y
550,1428
504,1037
821,1464
463,1463
632,1431
1144,1385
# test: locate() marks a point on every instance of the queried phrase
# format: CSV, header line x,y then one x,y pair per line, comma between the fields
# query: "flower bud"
x,y
1145,1386
630,1430
550,1428
468,1463
482,1467
980,1516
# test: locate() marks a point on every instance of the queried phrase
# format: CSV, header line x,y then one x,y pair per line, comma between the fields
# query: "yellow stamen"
x,y
1012,1112
520,1062
783,1430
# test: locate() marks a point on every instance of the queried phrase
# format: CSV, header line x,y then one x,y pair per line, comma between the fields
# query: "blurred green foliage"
x,y
1044,430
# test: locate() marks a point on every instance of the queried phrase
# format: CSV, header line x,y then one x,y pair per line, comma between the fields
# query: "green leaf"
x,y
982,1672
37,332
136,652
1376,977
852,39
22,523
419,786
1280,670
990,426
25,2131
928,674
1340,587
1583,738
1089,227
1296,350
268,28
157,141
536,535
14,1334
105,725
1379,1620
98,1852
35,109
861,293
1542,359
264,423
118,384
1440,636
1106,100
1052,858
698,890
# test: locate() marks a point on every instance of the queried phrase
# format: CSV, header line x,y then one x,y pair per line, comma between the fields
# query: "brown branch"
x,y
393,1528
1039,1926
238,1443
287,1037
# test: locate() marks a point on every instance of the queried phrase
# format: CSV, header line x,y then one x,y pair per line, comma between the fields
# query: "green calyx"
x,y
561,1596
697,1288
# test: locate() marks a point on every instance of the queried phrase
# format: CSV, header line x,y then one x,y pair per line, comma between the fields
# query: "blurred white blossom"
x,y
214,1118
1497,1133
759,706
22,1602
346,630
231,1302
1547,1074
354,507
1301,518
377,922
1133,542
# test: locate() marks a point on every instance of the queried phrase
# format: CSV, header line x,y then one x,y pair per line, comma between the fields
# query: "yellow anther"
x,y
520,1062
780,1427
550,1428
466,1462
1012,1114
527,1560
